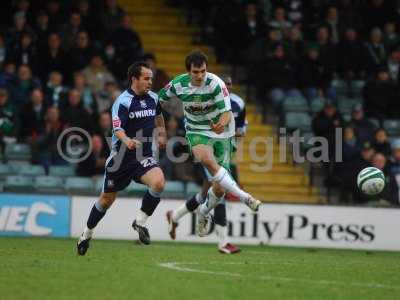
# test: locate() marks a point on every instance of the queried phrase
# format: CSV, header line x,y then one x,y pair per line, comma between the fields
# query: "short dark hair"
x,y
195,58
149,55
135,70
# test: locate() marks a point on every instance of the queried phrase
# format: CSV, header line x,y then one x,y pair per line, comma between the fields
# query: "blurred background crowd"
x,y
311,65
318,66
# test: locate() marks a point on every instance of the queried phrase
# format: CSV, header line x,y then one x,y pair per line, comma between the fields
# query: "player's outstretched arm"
x,y
161,133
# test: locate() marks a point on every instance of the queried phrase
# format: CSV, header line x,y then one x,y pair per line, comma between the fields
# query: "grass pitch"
x,y
35,268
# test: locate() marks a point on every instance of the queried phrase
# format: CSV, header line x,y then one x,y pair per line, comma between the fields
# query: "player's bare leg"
x,y
221,176
221,182
154,179
98,211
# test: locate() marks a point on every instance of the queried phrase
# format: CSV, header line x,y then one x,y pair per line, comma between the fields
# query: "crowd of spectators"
x,y
62,65
294,48
303,45
58,71
363,144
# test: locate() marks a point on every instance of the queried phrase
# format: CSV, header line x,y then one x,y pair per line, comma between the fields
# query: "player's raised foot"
x,y
202,225
144,235
171,225
82,245
253,203
229,248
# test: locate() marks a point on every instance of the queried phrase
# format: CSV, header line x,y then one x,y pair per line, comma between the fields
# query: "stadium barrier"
x,y
275,224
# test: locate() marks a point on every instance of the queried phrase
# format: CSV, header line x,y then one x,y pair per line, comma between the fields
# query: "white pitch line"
x,y
174,266
177,266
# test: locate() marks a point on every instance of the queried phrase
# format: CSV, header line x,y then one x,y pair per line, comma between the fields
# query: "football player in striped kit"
x,y
210,128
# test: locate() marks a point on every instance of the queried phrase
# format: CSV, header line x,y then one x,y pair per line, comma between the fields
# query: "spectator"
x,y
97,74
20,26
56,16
3,50
52,58
336,27
8,76
42,29
111,16
24,52
220,18
314,77
279,21
251,24
381,96
390,194
295,11
367,154
363,128
160,77
89,20
375,51
351,145
260,51
105,131
69,32
393,64
294,44
23,7
278,76
325,123
74,114
350,14
88,98
376,13
55,92
344,172
395,160
21,88
8,121
105,124
327,52
127,44
351,63
104,97
391,38
94,164
81,52
381,142
45,147
32,117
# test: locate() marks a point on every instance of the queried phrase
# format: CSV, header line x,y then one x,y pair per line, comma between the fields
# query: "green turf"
x,y
35,268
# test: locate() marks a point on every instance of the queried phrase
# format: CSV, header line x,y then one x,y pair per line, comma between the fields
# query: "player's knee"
x,y
218,190
107,199
158,185
210,164
219,193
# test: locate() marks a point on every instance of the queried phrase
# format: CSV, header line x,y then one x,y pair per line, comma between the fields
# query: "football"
x,y
371,181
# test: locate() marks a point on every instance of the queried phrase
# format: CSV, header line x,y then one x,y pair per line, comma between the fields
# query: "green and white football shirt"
x,y
201,104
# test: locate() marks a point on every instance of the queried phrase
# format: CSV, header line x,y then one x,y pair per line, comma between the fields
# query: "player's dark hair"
x,y
195,58
150,56
135,70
